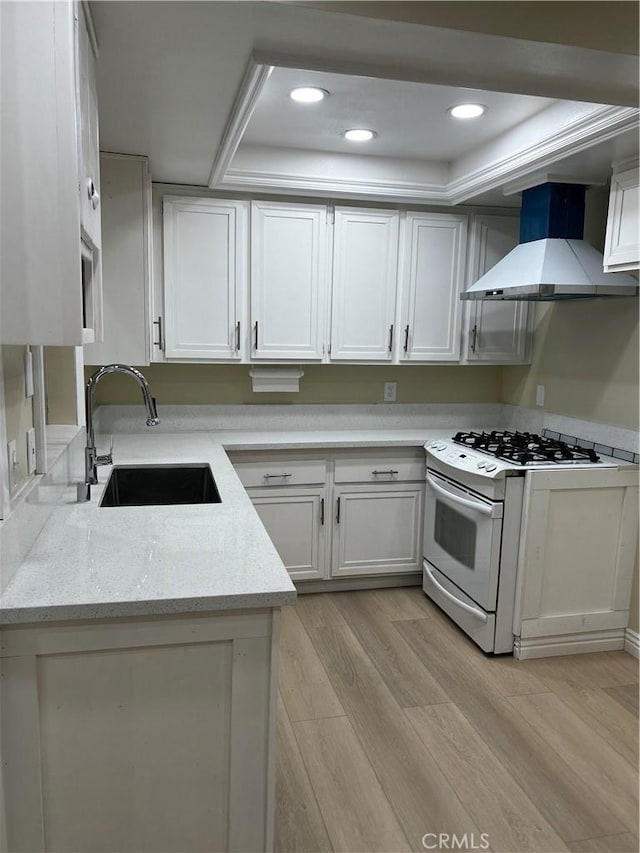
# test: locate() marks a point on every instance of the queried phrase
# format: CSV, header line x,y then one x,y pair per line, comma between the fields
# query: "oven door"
x,y
462,536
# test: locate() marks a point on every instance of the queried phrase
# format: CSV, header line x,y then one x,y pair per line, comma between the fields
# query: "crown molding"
x,y
255,77
254,179
600,126
534,179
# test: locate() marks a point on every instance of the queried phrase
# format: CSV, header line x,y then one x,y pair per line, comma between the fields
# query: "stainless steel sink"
x,y
160,485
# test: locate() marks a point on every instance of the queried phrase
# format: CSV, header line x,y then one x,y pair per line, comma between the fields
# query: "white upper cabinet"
x,y
497,332
204,277
288,280
365,263
432,278
622,241
50,291
89,145
126,261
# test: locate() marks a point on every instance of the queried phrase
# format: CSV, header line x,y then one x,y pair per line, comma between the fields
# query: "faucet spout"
x,y
92,460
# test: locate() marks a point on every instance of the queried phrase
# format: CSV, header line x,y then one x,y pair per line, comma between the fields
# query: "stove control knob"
x,y
482,464
442,447
434,445
492,466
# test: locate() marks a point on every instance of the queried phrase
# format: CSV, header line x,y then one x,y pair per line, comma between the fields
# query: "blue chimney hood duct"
x,y
552,261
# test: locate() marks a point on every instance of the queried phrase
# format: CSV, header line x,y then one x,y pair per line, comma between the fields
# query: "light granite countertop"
x,y
92,562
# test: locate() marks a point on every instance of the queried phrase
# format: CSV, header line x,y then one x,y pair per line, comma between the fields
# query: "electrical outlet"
x,y
539,395
31,451
390,392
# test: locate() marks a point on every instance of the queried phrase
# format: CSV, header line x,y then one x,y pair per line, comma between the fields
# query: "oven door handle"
x,y
487,509
474,611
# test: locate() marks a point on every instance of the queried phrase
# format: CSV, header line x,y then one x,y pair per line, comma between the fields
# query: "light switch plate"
x,y
31,451
539,395
28,373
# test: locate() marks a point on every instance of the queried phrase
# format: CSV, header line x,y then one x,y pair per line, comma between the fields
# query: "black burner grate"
x,y
526,448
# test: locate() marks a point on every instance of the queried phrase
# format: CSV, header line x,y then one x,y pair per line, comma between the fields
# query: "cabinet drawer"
x,y
379,469
282,472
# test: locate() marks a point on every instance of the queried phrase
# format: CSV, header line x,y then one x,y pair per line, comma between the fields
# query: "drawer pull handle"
x,y
272,476
391,472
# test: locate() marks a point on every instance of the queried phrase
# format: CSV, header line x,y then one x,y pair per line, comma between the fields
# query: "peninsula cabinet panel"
x,y
365,265
433,277
135,735
377,529
288,280
497,332
204,278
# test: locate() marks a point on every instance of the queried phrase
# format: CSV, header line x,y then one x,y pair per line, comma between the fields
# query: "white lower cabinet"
x,y
586,609
377,529
339,514
295,520
497,332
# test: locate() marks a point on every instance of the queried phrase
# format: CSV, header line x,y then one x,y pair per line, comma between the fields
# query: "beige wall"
x,y
205,383
59,365
18,412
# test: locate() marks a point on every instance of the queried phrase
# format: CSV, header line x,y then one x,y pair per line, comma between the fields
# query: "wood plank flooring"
x,y
392,725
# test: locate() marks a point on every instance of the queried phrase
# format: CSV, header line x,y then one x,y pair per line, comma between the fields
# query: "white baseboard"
x,y
570,644
632,642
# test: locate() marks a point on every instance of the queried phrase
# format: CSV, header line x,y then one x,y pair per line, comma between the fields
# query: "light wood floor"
x,y
392,725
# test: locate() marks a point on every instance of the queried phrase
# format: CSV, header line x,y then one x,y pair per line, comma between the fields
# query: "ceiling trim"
x,y
244,179
255,77
599,126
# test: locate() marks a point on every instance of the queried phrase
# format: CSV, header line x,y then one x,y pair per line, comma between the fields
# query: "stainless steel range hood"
x,y
551,262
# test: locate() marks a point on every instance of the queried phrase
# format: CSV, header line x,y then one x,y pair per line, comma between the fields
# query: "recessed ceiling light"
x,y
467,110
308,95
359,135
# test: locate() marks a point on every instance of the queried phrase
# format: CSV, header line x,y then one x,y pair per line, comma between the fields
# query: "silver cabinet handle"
x,y
272,476
406,338
256,333
160,342
391,472
322,511
338,512
238,336
474,337
390,337
474,611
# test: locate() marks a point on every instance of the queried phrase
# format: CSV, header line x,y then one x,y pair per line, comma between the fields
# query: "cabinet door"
x,y
41,294
126,261
622,241
295,521
288,274
433,277
365,261
204,277
377,530
87,117
497,331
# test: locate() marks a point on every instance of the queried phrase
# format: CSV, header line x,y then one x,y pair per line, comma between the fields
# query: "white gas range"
x,y
476,520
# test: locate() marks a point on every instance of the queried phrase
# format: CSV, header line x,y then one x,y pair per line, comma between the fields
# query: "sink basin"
x,y
160,485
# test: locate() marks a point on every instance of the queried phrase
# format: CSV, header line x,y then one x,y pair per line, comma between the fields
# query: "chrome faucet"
x,y
91,457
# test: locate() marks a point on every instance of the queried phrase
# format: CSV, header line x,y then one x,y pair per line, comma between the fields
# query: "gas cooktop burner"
x,y
526,448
